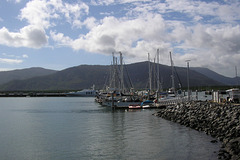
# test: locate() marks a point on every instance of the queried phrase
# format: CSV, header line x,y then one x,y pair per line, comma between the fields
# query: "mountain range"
x,y
23,74
215,76
84,76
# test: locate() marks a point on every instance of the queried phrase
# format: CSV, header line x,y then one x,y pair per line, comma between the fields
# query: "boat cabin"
x,y
234,95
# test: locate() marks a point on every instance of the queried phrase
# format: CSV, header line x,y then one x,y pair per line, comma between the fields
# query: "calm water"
x,y
78,128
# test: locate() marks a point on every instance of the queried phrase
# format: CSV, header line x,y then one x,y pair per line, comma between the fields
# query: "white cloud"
x,y
41,15
25,56
102,2
119,35
5,69
229,12
112,2
45,13
195,10
60,38
8,55
16,1
10,61
210,46
221,39
14,56
74,12
38,12
29,36
90,23
206,45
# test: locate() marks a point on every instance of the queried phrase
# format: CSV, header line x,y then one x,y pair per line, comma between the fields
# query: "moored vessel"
x,y
83,93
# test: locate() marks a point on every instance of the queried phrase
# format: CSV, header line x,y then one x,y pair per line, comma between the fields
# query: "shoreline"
x,y
221,121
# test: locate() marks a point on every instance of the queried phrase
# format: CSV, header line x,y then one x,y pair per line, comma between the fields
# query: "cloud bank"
x,y
207,33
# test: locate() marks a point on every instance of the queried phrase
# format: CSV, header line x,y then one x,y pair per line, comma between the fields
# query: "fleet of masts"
x,y
116,95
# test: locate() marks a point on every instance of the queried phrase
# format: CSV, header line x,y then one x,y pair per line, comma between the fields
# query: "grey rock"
x,y
218,120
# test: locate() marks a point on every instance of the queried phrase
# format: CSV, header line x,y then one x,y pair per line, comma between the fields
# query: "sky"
x,y
58,34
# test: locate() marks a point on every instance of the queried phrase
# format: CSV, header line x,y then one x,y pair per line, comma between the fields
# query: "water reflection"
x,y
78,128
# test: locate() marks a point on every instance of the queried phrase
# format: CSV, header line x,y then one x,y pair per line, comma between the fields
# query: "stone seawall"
x,y
218,120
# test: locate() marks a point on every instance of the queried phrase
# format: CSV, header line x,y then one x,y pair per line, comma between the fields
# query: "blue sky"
x,y
58,34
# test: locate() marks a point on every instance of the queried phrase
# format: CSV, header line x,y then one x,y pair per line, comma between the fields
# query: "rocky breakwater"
x,y
218,120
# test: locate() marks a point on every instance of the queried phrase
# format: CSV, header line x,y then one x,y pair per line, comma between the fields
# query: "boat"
x,y
119,102
234,95
146,104
172,96
83,93
134,106
116,94
171,92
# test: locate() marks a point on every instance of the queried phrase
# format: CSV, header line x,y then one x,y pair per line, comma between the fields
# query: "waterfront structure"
x,y
230,95
83,93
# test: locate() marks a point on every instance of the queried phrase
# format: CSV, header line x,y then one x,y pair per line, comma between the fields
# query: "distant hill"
x,y
73,78
22,74
217,77
84,76
139,76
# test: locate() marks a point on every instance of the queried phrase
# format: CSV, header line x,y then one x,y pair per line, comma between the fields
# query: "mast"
x,y
117,85
154,74
114,72
236,75
172,76
150,74
121,72
158,77
188,79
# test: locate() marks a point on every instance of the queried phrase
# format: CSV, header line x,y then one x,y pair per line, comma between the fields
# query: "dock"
x,y
31,94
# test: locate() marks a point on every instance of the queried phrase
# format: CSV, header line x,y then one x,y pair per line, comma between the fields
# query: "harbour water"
x,y
78,128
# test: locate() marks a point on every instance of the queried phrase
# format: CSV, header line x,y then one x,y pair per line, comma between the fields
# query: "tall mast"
x,y
172,76
188,79
121,72
117,85
114,73
158,78
150,74
236,75
154,77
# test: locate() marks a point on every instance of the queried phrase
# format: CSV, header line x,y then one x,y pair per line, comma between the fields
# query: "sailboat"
x,y
171,96
172,90
116,94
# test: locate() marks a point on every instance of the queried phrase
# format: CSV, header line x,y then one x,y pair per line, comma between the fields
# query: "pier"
x,y
173,101
32,94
